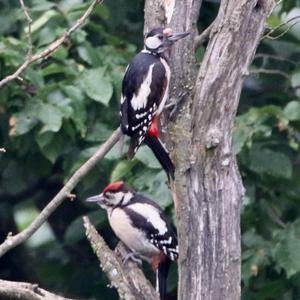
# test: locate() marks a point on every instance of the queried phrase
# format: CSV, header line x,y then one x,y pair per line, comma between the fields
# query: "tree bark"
x,y
208,189
25,291
128,279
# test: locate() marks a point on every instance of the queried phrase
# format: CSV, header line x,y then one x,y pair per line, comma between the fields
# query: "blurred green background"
x,y
65,106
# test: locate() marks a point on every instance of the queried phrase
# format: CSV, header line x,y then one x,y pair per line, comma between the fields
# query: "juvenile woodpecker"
x,y
142,226
144,94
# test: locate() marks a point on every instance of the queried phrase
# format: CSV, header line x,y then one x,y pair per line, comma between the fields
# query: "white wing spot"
x,y
122,99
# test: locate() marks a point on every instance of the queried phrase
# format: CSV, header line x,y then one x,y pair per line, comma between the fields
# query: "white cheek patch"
x,y
152,42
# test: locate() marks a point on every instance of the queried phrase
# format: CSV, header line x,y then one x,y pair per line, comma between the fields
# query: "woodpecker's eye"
x,y
160,36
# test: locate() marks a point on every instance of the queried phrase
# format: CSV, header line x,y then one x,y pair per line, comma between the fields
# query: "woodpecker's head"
x,y
115,194
159,40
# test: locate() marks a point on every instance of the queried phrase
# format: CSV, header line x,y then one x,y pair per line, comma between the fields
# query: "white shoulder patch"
x,y
151,214
139,100
122,99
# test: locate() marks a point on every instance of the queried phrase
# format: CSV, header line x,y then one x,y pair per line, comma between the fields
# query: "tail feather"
x,y
161,278
161,154
135,142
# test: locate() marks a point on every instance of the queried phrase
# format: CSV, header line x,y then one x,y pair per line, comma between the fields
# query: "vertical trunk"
x,y
208,189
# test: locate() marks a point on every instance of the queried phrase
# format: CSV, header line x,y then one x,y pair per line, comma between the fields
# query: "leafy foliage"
x,y
267,142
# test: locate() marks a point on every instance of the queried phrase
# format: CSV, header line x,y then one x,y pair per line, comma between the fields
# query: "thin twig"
x,y
13,241
269,71
203,36
128,279
274,216
29,20
275,57
52,47
25,291
268,35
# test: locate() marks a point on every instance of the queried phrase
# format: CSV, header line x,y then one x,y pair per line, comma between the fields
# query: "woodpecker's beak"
x,y
97,198
174,37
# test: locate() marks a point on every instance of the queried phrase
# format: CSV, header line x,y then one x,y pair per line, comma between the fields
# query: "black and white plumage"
x,y
142,226
144,94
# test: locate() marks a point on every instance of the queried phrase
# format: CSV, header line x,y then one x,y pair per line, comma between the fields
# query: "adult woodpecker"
x,y
142,226
144,94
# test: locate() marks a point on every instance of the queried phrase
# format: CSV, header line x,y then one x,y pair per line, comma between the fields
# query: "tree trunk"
x,y
208,189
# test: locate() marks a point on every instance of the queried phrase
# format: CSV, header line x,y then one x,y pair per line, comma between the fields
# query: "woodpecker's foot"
x,y
132,256
174,103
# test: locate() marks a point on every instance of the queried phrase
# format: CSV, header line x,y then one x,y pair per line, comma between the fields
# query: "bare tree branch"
x,y
25,291
203,36
52,47
14,240
128,279
269,71
275,57
269,34
29,20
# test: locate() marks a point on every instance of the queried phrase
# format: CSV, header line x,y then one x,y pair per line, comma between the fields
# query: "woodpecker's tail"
x,y
161,154
161,278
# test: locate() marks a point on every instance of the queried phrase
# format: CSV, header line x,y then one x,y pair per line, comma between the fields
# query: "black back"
x,y
134,77
152,233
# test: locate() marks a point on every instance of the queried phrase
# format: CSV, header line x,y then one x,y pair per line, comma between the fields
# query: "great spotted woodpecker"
x,y
142,226
144,94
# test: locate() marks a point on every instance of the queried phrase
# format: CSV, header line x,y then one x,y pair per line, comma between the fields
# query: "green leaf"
x,y
287,251
25,121
122,169
51,116
89,54
240,137
97,86
53,69
114,153
73,92
51,145
292,110
153,184
265,161
98,133
41,21
296,79
146,156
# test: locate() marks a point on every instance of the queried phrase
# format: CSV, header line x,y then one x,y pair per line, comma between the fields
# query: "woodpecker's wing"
x,y
148,216
144,85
